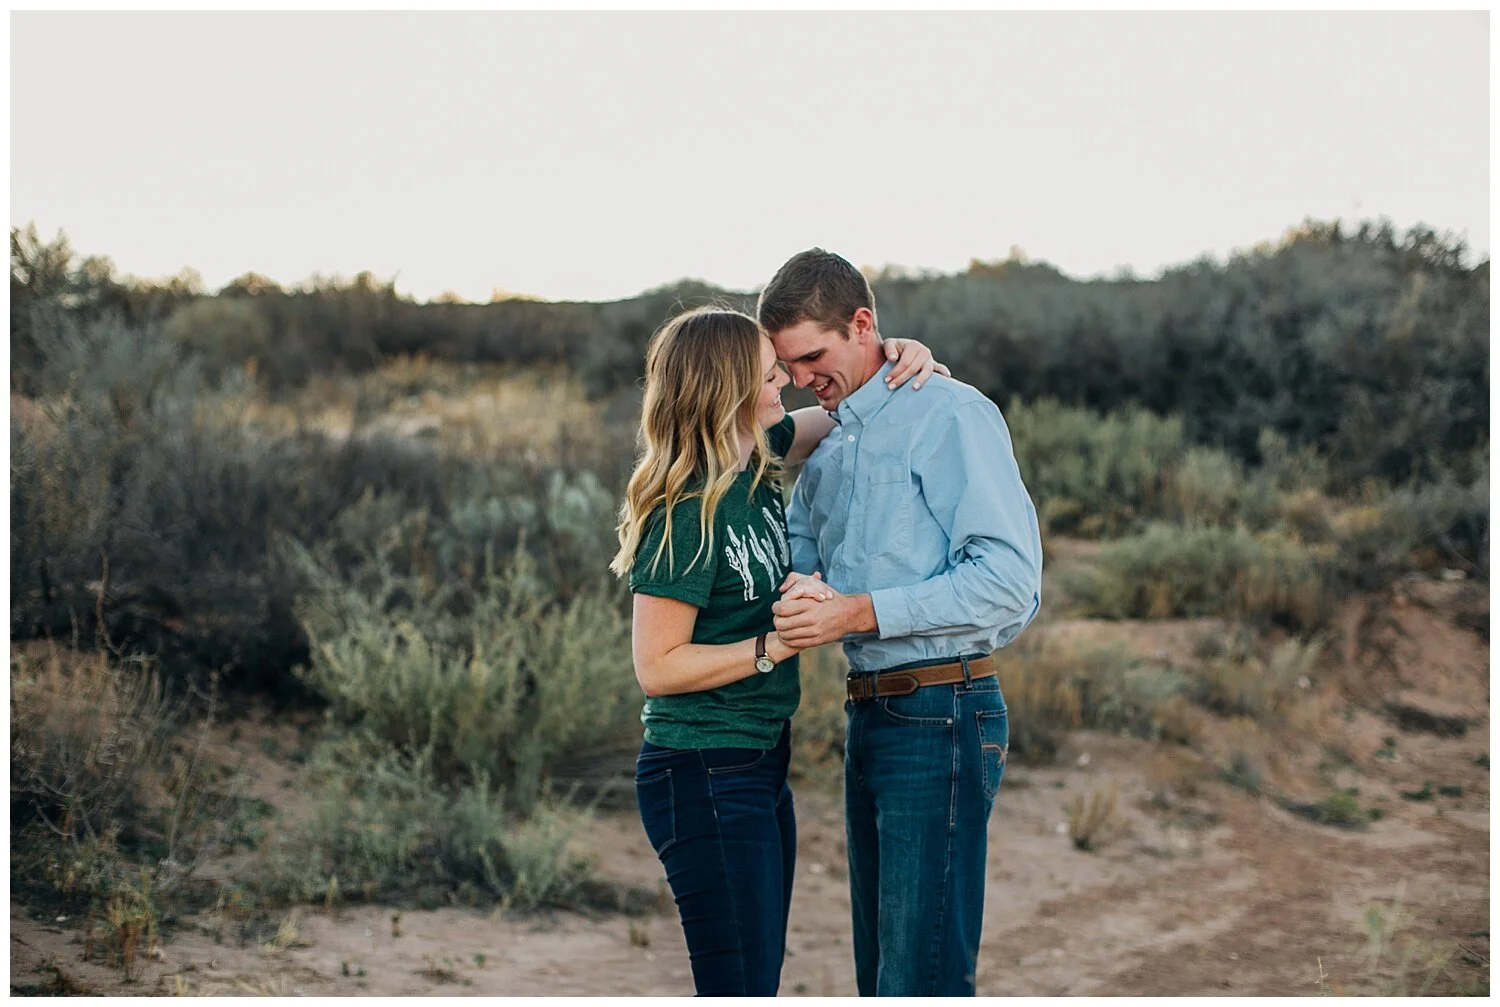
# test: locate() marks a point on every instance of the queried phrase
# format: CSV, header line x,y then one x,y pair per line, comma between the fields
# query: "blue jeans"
x,y
722,824
920,777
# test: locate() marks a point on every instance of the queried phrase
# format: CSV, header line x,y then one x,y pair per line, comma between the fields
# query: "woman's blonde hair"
x,y
703,381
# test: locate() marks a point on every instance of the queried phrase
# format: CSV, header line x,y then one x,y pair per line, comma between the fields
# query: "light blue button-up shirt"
x,y
915,498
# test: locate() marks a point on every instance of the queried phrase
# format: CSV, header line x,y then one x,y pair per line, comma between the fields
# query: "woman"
x,y
703,540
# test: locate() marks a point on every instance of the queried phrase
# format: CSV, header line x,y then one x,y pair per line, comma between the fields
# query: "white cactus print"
x,y
738,553
785,550
765,552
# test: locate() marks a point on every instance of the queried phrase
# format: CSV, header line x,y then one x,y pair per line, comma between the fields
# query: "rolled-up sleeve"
x,y
967,475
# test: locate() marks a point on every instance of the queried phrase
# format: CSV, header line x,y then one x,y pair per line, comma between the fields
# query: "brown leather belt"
x,y
904,683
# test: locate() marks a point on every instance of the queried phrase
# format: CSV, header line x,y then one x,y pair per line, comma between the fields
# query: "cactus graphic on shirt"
x,y
765,552
738,554
775,526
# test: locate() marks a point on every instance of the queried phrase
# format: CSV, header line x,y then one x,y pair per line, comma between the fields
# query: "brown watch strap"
x,y
760,646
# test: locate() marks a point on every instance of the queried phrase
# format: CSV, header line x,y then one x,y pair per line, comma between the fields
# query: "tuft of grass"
x,y
1425,794
1240,750
1341,810
127,927
1094,822
1398,963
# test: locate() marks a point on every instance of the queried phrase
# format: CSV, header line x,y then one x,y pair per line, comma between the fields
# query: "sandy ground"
x,y
1212,891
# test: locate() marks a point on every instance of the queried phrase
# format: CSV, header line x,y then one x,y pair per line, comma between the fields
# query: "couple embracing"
x,y
909,537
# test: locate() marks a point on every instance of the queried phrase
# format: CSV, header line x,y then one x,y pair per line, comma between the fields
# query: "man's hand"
x,y
809,621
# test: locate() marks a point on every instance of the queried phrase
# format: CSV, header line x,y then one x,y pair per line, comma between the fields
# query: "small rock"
x,y
62,919
1061,828
1451,574
1303,681
1083,760
817,869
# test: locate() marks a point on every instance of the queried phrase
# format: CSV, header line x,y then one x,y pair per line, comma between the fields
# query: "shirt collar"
x,y
866,400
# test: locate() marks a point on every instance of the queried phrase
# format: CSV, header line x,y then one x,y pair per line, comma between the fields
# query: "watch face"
x,y
764,664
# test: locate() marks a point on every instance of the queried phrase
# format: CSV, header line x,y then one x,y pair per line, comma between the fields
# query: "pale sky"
x,y
593,156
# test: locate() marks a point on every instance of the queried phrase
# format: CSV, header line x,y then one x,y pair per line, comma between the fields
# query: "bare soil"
x,y
1206,889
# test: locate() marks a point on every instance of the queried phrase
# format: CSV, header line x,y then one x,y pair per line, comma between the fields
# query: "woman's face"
x,y
768,407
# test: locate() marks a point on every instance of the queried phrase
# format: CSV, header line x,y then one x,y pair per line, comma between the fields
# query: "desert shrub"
x,y
1451,517
1340,809
1092,474
1301,470
1040,698
504,685
1254,680
1240,750
1171,571
84,738
1205,487
385,826
126,477
1052,687
221,332
113,803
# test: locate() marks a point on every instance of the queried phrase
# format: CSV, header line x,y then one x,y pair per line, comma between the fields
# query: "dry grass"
x,y
489,411
1094,822
84,735
127,927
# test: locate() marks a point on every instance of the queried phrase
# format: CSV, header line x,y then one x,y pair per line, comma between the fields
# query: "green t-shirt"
x,y
734,588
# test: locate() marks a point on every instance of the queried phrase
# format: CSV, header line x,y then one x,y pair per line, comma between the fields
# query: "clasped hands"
x,y
810,613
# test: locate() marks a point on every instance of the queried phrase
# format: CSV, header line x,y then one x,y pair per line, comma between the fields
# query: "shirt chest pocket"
x,y
882,501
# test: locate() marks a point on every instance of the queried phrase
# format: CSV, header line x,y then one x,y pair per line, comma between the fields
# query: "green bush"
x,y
221,332
507,686
1170,571
1205,487
387,827
1093,474
136,496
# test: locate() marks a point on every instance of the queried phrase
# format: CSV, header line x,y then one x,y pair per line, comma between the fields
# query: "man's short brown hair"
x,y
814,286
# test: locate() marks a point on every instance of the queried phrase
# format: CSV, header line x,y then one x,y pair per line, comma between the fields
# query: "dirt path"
x,y
1223,893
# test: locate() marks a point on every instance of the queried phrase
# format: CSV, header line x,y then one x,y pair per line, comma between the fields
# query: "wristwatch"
x,y
763,662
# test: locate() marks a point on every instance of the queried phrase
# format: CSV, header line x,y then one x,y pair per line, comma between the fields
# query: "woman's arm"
x,y
667,663
912,360
812,425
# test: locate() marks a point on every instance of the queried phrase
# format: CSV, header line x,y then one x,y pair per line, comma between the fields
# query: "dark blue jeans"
x,y
920,777
722,824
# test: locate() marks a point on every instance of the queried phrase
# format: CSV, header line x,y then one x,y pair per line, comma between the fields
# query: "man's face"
x,y
829,362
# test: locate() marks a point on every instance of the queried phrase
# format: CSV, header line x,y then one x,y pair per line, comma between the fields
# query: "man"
x,y
914,512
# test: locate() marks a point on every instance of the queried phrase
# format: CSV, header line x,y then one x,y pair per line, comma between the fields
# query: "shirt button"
x,y
851,437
